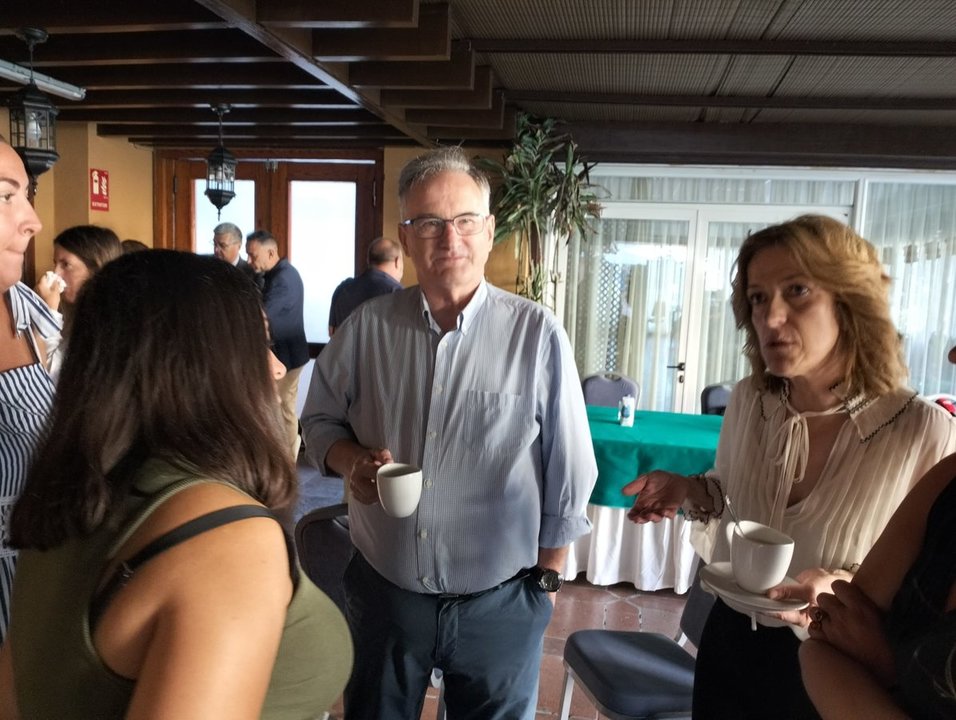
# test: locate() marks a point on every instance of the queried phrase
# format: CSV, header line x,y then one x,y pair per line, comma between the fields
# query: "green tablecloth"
x,y
680,443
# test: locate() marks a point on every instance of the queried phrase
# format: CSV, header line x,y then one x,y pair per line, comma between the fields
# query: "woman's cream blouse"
x,y
884,448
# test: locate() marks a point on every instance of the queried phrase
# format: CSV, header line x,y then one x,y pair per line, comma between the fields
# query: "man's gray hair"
x,y
230,229
442,159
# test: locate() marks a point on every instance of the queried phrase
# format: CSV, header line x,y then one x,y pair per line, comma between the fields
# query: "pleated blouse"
x,y
883,449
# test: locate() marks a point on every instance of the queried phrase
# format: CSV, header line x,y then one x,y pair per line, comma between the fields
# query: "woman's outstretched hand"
x,y
658,493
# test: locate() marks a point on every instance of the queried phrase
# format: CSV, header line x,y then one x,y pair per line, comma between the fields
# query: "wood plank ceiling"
x,y
778,81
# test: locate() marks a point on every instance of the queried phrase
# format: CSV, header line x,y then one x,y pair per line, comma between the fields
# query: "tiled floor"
x,y
580,605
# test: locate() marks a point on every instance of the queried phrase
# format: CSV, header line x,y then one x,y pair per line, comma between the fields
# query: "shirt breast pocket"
x,y
498,422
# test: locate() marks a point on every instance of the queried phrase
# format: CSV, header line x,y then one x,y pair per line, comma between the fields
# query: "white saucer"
x,y
719,579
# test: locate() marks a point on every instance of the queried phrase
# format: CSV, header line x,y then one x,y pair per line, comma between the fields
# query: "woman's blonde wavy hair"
x,y
846,265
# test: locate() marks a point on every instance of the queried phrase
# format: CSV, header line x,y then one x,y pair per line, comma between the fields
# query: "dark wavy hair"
x,y
848,267
169,362
92,244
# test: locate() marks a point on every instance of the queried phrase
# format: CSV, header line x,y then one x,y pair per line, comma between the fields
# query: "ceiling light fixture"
x,y
33,119
220,169
20,74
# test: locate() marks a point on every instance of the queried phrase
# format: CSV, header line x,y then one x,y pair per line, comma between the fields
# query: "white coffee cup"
x,y
399,488
759,555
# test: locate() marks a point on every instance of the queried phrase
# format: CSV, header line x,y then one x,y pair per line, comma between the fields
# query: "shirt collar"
x,y
466,317
31,313
20,309
869,414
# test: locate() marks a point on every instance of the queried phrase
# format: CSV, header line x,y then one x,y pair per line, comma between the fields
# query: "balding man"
x,y
384,274
226,240
283,296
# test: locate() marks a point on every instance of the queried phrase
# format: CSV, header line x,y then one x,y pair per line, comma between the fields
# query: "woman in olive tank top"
x,y
154,579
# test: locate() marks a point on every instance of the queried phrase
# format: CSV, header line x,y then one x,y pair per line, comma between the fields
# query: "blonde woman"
x,y
823,442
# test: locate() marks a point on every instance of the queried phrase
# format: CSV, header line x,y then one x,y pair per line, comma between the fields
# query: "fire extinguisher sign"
x,y
99,189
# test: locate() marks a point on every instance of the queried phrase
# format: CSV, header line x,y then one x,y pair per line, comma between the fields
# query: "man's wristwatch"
x,y
548,580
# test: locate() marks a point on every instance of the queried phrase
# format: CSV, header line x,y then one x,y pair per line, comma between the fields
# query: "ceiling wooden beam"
x,y
479,97
492,118
723,101
458,73
274,147
235,118
185,75
220,45
338,13
431,40
259,132
825,145
574,46
104,16
448,134
319,96
298,51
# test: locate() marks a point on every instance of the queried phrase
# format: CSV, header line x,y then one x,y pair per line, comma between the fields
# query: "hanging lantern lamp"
x,y
220,170
33,119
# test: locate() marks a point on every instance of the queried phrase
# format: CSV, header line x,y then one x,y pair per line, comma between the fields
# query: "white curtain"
x,y
914,226
624,306
625,301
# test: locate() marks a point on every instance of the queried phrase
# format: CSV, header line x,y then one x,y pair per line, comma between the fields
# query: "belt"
x,y
523,573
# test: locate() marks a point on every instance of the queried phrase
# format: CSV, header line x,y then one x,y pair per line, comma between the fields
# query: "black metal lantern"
x,y
33,119
220,170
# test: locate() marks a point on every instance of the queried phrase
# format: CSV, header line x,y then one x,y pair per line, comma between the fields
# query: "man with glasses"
x,y
226,241
477,387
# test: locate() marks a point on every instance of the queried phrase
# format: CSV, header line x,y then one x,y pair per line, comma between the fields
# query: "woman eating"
x,y
822,442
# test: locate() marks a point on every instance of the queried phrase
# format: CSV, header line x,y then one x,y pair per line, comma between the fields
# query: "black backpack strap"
x,y
121,576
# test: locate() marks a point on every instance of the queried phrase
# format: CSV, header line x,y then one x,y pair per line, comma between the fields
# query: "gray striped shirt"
x,y
493,414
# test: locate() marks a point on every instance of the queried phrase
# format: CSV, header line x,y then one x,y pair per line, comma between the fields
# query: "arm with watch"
x,y
547,573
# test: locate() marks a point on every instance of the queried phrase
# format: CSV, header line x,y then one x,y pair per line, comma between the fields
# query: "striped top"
x,y
26,394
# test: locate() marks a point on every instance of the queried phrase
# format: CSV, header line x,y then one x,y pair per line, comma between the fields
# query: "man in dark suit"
x,y
384,274
283,297
226,240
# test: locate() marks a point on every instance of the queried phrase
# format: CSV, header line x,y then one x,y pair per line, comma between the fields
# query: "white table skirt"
x,y
652,556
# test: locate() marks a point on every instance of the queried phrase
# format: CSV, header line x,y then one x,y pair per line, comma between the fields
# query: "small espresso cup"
x,y
399,488
759,555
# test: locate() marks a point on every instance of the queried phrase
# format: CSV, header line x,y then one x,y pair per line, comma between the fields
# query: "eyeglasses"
x,y
427,228
224,245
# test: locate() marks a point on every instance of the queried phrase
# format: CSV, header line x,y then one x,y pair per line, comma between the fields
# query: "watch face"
x,y
550,580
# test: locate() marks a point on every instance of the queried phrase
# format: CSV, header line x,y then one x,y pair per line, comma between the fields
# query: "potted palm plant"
x,y
542,195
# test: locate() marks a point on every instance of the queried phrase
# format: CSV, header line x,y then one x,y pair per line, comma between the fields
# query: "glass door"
x,y
626,298
715,346
649,296
323,212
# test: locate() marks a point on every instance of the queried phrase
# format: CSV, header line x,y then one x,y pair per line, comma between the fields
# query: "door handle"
x,y
680,366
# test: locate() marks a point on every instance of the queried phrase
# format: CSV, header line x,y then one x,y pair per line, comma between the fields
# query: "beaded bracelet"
x,y
714,491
